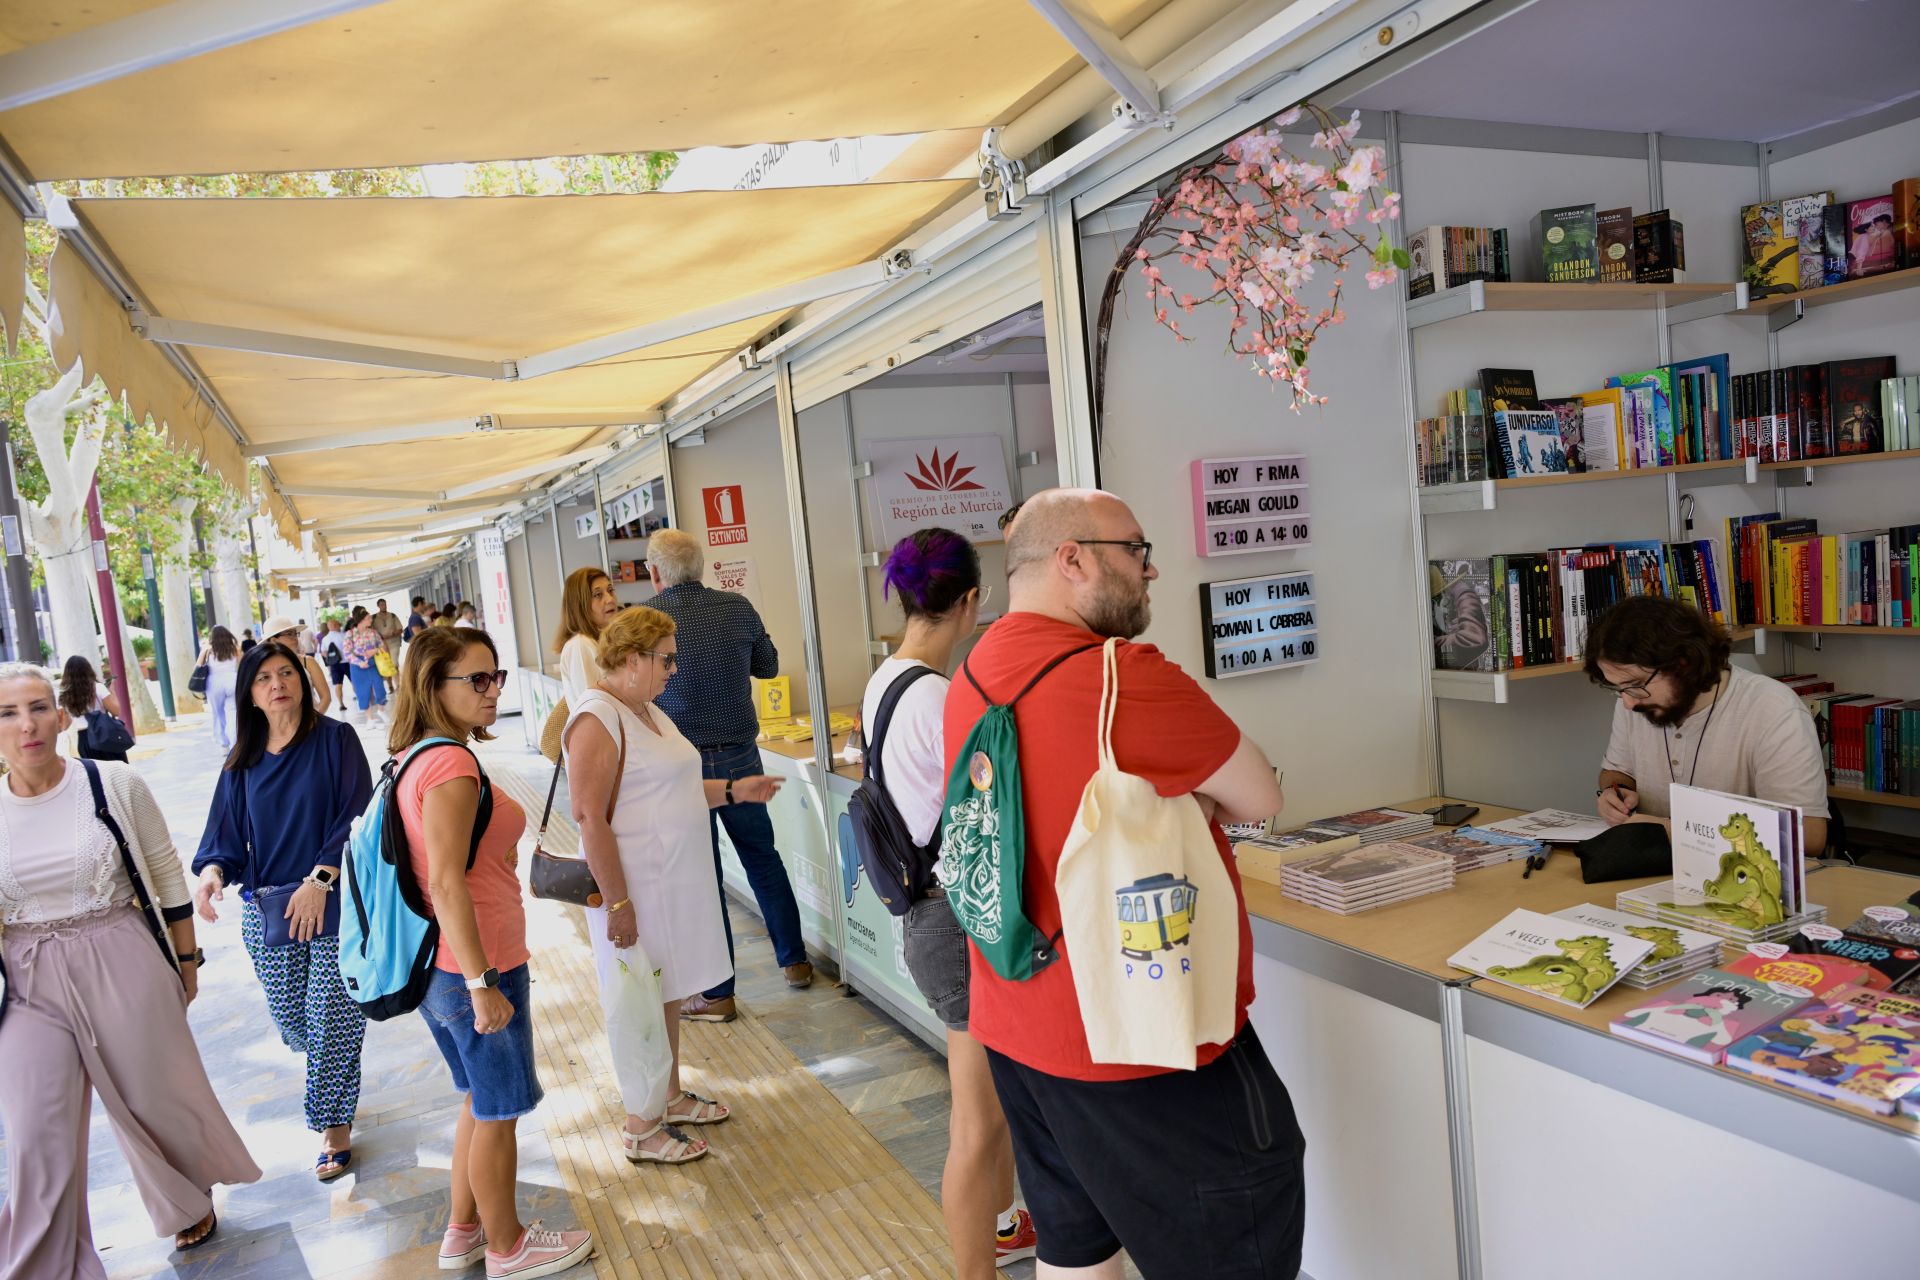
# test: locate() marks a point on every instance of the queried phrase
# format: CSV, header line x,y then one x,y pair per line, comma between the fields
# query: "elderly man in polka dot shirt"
x,y
722,645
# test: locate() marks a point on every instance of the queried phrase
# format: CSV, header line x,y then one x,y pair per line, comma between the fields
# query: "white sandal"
x,y
681,1150
705,1110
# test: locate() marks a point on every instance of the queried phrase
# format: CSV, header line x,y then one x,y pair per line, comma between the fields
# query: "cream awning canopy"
x,y
423,81
481,279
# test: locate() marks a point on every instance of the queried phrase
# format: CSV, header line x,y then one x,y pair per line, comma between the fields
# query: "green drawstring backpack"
x,y
983,842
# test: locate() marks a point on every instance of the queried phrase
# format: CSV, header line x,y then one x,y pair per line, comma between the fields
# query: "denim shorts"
x,y
496,1069
938,957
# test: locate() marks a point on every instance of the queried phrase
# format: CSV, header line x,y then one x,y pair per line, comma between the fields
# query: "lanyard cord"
x,y
1699,742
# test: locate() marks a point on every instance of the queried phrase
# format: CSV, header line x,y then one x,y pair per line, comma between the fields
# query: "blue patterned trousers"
x,y
315,1016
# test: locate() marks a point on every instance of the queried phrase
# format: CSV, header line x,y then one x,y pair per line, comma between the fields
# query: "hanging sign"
x,y
586,525
726,515
496,611
949,482
1250,504
1259,624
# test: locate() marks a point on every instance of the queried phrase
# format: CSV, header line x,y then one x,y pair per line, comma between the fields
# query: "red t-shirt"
x,y
1167,730
492,882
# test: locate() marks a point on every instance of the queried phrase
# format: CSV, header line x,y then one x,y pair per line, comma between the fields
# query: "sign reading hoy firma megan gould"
x,y
1259,624
1250,504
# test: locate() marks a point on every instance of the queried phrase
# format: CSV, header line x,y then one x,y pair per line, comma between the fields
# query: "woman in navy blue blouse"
x,y
292,786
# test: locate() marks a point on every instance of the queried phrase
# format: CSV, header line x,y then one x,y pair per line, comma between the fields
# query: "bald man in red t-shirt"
x,y
1192,1172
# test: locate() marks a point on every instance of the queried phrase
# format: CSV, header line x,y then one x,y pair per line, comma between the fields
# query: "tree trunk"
x,y
139,705
176,597
230,583
58,527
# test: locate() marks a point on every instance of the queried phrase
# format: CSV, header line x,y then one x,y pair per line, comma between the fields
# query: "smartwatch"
x,y
325,877
491,978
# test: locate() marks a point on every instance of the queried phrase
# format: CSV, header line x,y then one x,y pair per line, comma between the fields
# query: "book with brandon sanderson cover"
x,y
1563,960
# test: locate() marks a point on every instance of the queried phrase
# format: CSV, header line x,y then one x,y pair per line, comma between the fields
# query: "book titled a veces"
x,y
1741,856
1563,960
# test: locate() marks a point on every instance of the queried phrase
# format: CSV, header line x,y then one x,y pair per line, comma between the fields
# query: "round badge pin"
x,y
980,771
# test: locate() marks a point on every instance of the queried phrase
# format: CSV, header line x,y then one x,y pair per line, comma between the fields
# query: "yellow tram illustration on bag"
x,y
1156,914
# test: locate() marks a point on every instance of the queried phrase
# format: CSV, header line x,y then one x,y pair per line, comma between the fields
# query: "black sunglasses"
x,y
481,680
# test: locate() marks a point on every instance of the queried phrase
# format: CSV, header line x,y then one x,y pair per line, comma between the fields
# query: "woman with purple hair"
x,y
935,573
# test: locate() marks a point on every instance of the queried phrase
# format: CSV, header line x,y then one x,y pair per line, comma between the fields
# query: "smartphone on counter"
x,y
1452,815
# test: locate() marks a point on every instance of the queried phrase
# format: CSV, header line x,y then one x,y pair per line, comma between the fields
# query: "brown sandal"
x,y
212,1224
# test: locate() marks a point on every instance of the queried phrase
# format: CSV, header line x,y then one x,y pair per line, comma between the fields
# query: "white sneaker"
x,y
462,1247
540,1253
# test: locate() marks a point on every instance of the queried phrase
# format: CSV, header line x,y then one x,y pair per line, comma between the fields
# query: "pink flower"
x,y
1384,276
1141,254
1186,238
1287,117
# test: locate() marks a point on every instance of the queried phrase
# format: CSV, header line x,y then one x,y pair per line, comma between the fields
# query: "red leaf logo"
x,y
941,476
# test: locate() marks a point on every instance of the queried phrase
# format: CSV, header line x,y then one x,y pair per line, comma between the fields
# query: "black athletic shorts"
x,y
1194,1173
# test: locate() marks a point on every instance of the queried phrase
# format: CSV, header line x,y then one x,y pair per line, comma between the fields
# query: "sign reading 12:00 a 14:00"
x,y
1250,504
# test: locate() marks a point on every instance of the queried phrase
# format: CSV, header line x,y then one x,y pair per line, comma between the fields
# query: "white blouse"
x,y
579,667
57,860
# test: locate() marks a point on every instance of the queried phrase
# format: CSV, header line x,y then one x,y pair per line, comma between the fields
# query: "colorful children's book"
x,y
1770,257
1858,1047
1871,247
1559,959
1818,976
1661,380
1801,218
1888,963
1700,1017
1741,854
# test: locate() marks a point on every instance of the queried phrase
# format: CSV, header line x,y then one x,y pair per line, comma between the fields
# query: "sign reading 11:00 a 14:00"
x,y
1259,624
1250,504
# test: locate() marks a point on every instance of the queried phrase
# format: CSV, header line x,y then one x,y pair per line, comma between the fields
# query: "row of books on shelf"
x,y
1504,612
1442,257
1811,241
1686,412
1787,573
1582,244
1869,743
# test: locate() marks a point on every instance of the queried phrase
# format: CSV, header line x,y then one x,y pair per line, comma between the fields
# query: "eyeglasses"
x,y
1142,549
671,659
481,680
1636,690
1006,517
986,594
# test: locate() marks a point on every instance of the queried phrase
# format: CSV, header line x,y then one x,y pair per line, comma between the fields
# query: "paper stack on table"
x,y
1474,847
1555,826
1677,952
1376,825
1361,879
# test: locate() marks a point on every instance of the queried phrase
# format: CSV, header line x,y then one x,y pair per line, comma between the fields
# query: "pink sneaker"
x,y
1018,1244
540,1253
462,1246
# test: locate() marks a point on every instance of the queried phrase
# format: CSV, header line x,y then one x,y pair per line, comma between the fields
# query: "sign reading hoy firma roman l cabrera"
x,y
1250,504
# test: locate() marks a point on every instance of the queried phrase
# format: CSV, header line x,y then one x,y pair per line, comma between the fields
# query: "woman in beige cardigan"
x,y
100,965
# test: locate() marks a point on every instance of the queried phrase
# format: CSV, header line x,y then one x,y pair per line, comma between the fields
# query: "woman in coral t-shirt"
x,y
479,1004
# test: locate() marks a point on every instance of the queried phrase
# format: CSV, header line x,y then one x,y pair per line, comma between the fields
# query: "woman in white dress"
x,y
221,656
654,860
587,603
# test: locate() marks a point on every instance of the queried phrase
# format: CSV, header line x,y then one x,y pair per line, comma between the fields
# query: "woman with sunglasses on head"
x,y
653,861
478,1005
935,574
100,967
281,811
587,604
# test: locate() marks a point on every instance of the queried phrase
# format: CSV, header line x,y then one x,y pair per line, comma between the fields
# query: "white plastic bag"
x,y
636,1028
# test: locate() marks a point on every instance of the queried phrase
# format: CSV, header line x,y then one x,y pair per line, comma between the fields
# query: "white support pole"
x,y
155,38
1063,305
222,337
865,275
1096,42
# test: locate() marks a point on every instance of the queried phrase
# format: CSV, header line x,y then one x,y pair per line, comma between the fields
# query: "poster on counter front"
x,y
949,482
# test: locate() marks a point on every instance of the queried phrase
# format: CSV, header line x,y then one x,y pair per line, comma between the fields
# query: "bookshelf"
x,y
1872,286
1483,495
1840,461
1839,628
1892,800
1496,686
1684,301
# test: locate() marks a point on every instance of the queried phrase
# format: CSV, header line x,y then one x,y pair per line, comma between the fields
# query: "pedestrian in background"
x,y
387,626
288,632
710,698
587,604
369,689
100,967
479,1004
277,826
82,693
333,656
221,657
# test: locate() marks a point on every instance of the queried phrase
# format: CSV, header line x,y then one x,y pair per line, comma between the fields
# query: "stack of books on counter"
x,y
1361,879
1474,847
1739,870
1261,857
1566,960
1677,953
1376,825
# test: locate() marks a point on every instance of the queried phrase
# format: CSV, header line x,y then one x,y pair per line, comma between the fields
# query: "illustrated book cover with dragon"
x,y
1562,960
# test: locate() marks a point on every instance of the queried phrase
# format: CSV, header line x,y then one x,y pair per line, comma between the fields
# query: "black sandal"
x,y
212,1221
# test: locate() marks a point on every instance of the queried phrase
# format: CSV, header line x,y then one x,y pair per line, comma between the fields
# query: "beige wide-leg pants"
x,y
92,1005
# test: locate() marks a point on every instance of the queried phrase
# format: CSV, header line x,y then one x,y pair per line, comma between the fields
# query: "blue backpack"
x,y
388,939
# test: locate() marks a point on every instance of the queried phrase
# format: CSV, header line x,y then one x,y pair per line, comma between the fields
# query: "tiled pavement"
x,y
288,1226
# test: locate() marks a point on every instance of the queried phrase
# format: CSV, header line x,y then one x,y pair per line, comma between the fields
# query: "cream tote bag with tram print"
x,y
1148,914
